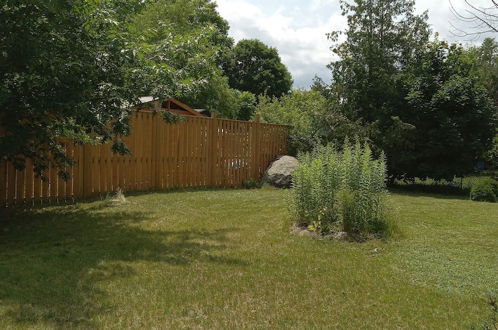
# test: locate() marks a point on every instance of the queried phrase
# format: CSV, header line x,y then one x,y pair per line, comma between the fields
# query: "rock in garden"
x,y
279,173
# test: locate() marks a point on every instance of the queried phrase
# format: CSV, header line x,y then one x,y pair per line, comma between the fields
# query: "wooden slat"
x,y
190,153
183,156
29,182
20,186
152,152
157,143
3,183
142,152
53,184
11,184
132,161
69,188
61,188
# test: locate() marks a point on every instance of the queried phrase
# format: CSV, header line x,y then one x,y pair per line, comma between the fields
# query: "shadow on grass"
x,y
51,261
38,205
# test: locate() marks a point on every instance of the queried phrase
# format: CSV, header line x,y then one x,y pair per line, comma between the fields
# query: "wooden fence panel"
x,y
3,183
195,152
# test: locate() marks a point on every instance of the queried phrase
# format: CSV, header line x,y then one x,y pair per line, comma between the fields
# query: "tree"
x,y
491,156
318,85
66,72
312,122
160,19
190,38
452,116
485,65
421,100
254,67
479,19
247,105
216,96
382,38
303,111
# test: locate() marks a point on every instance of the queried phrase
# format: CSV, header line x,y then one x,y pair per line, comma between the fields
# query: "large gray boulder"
x,y
279,173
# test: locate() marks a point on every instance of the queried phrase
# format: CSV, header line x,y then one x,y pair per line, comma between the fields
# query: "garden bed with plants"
x,y
343,193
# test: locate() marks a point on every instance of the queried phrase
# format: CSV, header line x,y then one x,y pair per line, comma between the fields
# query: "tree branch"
x,y
483,19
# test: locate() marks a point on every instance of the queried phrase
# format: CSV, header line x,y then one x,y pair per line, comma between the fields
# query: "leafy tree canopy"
x,y
247,104
452,116
67,71
313,121
190,38
423,99
162,18
382,38
254,67
485,65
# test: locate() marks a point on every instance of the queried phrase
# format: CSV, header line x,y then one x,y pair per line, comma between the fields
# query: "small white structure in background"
x,y
279,173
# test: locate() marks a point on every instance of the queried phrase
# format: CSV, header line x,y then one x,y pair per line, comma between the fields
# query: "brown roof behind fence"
x,y
171,105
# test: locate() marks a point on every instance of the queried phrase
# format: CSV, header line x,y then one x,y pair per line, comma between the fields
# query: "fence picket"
x,y
3,183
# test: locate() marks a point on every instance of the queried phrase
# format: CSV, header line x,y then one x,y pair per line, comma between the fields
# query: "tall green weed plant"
x,y
343,191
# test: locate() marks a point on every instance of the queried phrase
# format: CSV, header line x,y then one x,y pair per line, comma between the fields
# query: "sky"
x,y
297,28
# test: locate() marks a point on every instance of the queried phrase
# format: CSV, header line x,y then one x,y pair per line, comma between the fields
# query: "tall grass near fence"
x,y
342,191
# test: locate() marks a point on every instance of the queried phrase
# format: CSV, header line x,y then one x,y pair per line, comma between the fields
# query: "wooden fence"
x,y
196,152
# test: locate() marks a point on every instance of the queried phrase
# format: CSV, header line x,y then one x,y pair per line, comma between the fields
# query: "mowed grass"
x,y
227,259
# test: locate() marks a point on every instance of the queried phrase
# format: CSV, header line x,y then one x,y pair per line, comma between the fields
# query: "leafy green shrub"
x,y
172,118
252,184
312,120
342,191
494,184
484,191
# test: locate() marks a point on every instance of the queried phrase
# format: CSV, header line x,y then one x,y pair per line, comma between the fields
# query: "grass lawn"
x,y
226,259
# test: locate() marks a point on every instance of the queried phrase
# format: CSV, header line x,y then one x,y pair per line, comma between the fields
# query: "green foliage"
x,y
343,190
252,184
494,185
303,111
491,155
172,118
484,191
313,119
382,38
190,39
453,118
484,60
67,71
180,17
247,105
422,100
215,96
254,67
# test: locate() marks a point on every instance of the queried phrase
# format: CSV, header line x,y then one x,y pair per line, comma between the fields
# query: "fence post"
x,y
87,170
213,150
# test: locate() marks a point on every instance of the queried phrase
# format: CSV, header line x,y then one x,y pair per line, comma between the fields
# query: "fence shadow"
x,y
52,261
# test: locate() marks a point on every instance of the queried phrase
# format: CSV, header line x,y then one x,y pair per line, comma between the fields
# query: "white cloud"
x,y
303,48
298,29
